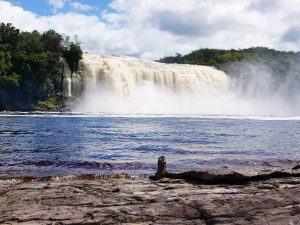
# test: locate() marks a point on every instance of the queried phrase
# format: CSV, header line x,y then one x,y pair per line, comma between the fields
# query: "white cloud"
x,y
57,4
74,5
80,7
155,28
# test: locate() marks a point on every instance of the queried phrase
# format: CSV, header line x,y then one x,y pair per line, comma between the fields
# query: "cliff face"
x,y
73,83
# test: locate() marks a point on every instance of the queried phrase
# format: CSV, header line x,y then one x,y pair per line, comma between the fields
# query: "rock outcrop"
x,y
221,196
138,200
224,175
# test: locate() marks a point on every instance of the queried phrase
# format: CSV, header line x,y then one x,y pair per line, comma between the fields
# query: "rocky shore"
x,y
126,199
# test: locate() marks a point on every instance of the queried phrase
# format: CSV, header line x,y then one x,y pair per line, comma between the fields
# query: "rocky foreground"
x,y
139,200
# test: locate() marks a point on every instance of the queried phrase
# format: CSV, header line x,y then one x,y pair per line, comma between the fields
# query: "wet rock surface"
x,y
142,201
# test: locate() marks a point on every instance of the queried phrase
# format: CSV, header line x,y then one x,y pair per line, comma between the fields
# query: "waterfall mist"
x,y
119,84
269,92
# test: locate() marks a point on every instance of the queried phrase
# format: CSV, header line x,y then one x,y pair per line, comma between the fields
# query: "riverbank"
x,y
123,199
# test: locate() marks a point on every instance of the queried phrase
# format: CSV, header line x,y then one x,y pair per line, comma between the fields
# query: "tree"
x,y
72,55
9,82
8,34
5,62
53,42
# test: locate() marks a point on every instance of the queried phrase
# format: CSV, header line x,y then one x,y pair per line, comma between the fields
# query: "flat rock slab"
x,y
142,201
228,176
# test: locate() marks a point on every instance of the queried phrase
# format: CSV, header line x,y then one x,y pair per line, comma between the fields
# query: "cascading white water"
x,y
121,84
124,75
69,81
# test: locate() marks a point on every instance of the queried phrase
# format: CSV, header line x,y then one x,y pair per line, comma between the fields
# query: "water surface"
x,y
64,144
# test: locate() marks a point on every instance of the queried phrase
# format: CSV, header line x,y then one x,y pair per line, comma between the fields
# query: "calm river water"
x,y
65,144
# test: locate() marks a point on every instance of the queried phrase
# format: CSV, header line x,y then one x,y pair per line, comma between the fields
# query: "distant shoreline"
x,y
220,116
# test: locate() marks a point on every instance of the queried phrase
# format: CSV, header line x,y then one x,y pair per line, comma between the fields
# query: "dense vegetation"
x,y
31,68
280,63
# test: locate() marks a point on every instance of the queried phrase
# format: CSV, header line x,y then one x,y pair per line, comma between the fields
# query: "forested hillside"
x,y
31,68
279,62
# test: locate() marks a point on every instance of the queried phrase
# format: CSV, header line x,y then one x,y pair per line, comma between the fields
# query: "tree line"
x,y
32,69
281,63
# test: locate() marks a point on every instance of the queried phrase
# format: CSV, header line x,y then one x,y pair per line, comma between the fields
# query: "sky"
x,y
153,29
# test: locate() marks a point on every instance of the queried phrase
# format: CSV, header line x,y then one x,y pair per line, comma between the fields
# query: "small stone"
x,y
296,167
161,167
115,190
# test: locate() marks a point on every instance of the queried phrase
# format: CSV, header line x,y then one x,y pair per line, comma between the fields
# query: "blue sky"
x,y
42,7
156,28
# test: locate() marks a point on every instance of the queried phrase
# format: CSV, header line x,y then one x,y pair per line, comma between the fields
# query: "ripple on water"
x,y
52,145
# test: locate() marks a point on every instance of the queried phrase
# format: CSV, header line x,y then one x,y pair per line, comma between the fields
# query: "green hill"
x,y
31,68
279,62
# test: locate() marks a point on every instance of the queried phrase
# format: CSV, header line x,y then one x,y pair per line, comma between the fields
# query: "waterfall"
x,y
122,84
69,81
124,75
74,84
